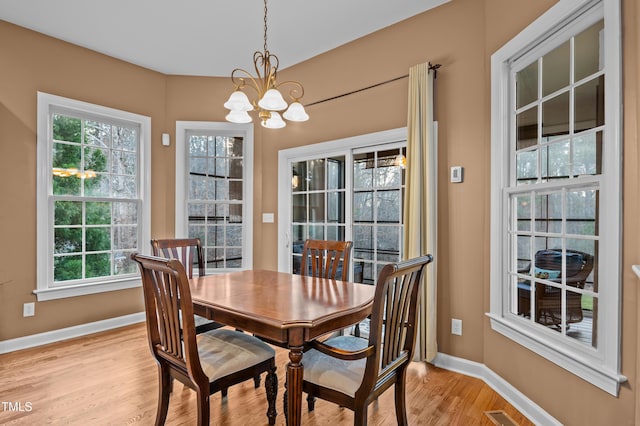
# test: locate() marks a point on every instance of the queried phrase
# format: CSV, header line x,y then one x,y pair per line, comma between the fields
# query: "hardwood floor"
x,y
110,378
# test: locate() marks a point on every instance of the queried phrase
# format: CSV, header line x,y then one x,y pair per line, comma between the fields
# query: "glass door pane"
x,y
216,194
378,179
318,202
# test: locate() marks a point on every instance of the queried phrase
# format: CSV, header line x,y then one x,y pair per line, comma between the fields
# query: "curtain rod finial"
x,y
435,68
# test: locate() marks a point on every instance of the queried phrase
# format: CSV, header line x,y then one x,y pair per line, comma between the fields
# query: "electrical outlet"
x,y
29,309
456,326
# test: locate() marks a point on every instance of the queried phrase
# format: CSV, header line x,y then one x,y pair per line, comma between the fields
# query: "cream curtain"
x,y
420,199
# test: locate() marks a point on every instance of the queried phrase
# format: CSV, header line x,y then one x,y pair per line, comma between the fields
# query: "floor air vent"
x,y
500,418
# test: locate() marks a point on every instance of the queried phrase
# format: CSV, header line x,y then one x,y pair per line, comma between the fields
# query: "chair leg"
x,y
165,385
224,392
203,407
401,411
271,386
360,416
285,405
256,381
311,402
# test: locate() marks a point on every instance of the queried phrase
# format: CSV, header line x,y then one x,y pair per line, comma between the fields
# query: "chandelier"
x,y
270,100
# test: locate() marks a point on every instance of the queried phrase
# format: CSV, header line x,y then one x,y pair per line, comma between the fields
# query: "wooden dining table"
x,y
284,308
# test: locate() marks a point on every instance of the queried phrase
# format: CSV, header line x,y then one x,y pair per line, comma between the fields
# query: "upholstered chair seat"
x,y
333,373
223,352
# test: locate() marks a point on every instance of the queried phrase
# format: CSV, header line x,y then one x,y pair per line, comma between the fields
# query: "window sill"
x,y
594,373
63,292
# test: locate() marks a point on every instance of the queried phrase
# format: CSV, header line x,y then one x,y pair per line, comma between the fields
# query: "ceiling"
x,y
212,37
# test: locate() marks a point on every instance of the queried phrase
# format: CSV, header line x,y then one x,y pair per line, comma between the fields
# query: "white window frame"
x,y
600,366
346,147
245,131
45,289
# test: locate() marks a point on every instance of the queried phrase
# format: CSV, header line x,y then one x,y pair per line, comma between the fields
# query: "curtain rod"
x,y
433,67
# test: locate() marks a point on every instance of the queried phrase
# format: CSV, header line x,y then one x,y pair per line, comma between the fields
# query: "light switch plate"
x,y
456,174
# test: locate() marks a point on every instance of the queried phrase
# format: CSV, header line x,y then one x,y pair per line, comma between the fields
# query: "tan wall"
x,y
32,62
461,36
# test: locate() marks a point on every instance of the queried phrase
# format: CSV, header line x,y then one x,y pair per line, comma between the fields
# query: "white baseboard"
x,y
33,340
530,409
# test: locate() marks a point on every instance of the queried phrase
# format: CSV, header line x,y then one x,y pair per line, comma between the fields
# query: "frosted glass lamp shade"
x,y
238,117
274,122
238,101
296,112
272,101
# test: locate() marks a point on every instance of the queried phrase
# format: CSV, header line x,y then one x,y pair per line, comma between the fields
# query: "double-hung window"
x,y
93,197
214,181
555,279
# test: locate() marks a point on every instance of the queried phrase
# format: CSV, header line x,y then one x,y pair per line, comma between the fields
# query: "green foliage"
x,y
98,213
66,156
95,159
67,128
67,268
67,240
98,239
68,213
98,265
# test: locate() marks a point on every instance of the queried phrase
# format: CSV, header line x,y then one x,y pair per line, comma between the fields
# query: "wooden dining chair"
x,y
189,252
208,362
326,259
353,372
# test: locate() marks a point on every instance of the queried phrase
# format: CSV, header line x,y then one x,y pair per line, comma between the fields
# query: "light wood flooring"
x,y
110,378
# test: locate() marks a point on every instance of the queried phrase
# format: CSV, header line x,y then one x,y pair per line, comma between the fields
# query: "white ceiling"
x,y
208,37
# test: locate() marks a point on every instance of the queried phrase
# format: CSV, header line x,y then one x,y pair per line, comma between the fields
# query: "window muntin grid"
x,y
215,199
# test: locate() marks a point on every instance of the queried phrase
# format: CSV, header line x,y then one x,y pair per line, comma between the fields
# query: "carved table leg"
x,y
294,386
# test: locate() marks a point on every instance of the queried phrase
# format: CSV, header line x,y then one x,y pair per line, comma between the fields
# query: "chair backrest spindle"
x,y
323,258
187,250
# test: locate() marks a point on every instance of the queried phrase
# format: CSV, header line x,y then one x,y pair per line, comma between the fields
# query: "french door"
x,y
336,194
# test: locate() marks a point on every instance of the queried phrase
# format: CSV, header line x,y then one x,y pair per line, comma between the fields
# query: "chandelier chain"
x,y
265,25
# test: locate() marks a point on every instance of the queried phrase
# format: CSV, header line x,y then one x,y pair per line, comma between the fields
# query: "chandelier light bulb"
x,y
239,117
272,101
238,101
296,112
274,122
